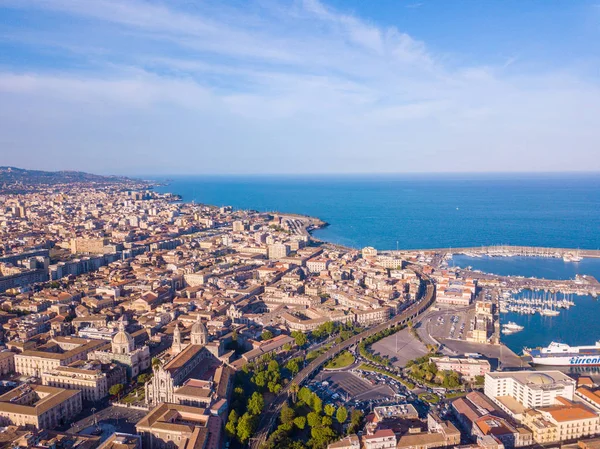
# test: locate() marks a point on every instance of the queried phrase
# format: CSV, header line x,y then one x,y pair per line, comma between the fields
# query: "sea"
x,y
420,211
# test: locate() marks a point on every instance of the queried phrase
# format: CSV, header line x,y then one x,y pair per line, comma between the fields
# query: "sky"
x,y
138,87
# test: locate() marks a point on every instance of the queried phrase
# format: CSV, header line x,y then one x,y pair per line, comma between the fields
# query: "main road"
x,y
269,416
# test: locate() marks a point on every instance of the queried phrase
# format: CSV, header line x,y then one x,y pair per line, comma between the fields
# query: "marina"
x,y
528,302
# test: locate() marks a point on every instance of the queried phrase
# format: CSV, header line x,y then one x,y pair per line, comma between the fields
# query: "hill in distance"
x,y
14,179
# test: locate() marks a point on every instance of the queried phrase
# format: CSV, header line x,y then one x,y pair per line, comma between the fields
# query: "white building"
x,y
515,392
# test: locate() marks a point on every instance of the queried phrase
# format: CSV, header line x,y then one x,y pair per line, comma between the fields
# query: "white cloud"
x,y
276,88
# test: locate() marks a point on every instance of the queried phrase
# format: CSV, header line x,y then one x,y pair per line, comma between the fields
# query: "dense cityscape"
x,y
133,319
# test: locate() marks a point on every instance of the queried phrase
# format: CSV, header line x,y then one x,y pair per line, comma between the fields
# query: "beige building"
x,y
65,350
88,246
39,406
7,363
179,426
88,378
278,250
466,367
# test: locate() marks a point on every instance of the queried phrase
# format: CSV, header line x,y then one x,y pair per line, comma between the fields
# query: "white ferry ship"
x,y
560,354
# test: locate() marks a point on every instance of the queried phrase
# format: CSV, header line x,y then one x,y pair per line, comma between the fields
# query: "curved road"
x,y
269,416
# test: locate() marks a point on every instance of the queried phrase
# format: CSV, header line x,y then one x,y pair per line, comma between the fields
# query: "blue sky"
x,y
300,86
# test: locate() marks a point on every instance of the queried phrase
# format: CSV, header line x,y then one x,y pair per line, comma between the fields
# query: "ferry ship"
x,y
561,354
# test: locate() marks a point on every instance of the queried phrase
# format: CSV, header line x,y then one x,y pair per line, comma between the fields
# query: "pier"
x,y
506,251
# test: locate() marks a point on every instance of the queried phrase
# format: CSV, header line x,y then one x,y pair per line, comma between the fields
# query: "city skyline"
x,y
138,88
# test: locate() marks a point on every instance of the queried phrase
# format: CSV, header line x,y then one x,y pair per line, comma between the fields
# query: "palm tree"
x,y
294,391
156,363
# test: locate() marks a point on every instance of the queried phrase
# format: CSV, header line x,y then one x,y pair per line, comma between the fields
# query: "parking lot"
x,y
346,387
449,324
400,348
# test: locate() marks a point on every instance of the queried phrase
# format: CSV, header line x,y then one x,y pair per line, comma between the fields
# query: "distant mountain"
x,y
14,179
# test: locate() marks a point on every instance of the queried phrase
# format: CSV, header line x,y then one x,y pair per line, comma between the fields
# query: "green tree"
x,y
245,427
256,403
143,378
293,367
156,363
273,367
341,415
321,437
306,396
116,390
287,414
232,421
355,421
260,379
317,404
329,410
479,380
300,338
313,419
300,422
327,421
266,335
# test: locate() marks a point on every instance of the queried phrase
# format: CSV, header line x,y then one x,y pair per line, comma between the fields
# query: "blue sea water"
x,y
438,211
420,211
539,267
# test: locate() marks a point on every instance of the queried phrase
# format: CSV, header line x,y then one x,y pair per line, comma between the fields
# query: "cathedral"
x,y
187,360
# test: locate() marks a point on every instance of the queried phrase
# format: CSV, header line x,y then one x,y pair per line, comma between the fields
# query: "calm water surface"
x,y
421,211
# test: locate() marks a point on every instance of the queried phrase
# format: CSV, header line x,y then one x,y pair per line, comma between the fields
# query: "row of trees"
x,y
308,420
242,427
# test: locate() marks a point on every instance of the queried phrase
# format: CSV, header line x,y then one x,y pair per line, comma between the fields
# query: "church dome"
x,y
122,338
199,328
122,342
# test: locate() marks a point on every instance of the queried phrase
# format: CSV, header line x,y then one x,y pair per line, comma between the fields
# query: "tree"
x,y
294,391
300,422
256,403
317,404
266,335
327,421
313,419
287,414
260,379
293,367
116,390
479,380
273,367
143,378
355,421
300,338
329,410
245,427
306,396
232,421
341,415
156,363
321,437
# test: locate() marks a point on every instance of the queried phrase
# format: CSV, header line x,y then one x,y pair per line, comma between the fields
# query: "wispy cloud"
x,y
270,87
